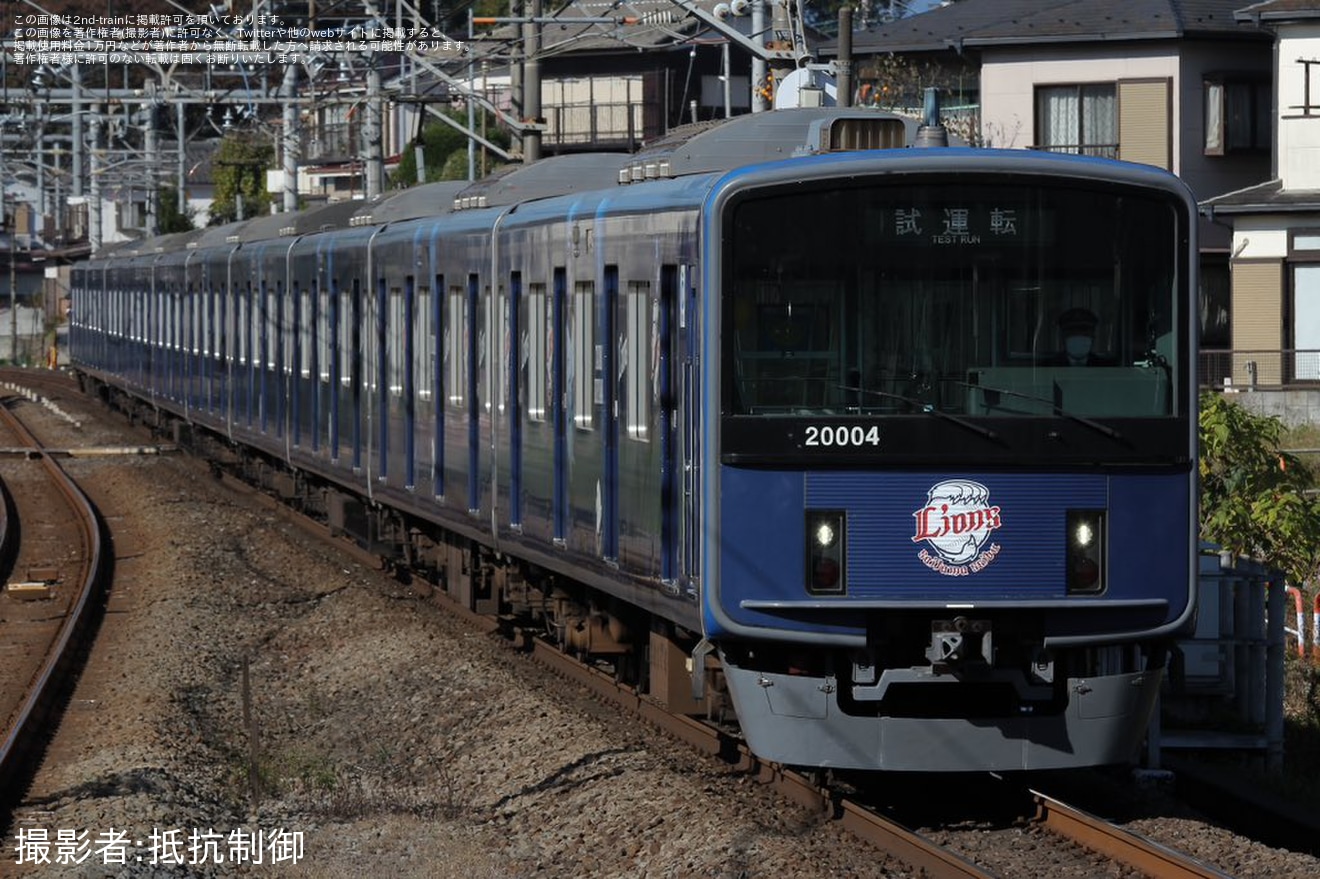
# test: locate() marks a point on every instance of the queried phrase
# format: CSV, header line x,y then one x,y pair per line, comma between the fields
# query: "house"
x,y
615,75
1276,224
1180,84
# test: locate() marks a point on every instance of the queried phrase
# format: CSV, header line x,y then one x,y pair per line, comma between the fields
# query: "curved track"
x,y
53,568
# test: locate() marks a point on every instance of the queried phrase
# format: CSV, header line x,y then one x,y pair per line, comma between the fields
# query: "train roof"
x,y
318,219
701,148
558,175
426,200
725,144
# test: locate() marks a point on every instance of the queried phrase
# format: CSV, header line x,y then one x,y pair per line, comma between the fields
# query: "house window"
x,y
1309,107
1305,269
1237,115
1080,119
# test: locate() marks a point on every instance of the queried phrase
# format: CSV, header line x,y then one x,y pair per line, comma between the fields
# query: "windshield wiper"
x,y
1053,404
927,409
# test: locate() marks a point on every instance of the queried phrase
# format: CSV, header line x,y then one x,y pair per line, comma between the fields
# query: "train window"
x,y
456,345
205,320
423,343
287,312
284,326
306,329
269,321
346,329
193,314
535,353
585,357
375,311
497,312
323,338
639,341
976,299
394,330
242,301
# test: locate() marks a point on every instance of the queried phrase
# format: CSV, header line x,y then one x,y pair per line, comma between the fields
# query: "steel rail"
x,y
1121,845
42,692
920,854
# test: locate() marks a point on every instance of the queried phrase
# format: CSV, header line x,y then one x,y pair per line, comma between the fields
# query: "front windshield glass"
x,y
1025,299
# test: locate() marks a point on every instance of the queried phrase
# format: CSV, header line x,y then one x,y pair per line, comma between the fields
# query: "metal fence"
x,y
1103,150
1276,368
1225,684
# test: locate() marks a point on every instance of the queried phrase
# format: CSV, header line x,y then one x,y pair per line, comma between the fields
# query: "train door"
x,y
691,452
384,307
299,367
558,381
407,332
438,332
220,336
668,464
263,352
513,356
472,350
608,378
279,367
194,354
354,355
334,378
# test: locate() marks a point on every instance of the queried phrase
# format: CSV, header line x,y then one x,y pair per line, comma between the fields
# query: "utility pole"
x,y
94,173
759,69
152,150
844,89
375,171
532,82
290,139
13,271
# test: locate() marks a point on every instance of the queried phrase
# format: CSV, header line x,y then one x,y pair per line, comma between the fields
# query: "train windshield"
x,y
971,299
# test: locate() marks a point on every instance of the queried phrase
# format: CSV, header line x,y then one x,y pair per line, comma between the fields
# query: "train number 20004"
x,y
842,435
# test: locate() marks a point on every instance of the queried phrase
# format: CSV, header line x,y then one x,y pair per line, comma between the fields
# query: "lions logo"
x,y
956,522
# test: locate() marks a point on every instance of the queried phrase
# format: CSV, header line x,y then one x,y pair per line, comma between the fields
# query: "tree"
x,y
1255,497
173,217
240,165
440,144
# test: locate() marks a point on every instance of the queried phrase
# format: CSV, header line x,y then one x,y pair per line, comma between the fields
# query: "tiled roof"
x,y
980,23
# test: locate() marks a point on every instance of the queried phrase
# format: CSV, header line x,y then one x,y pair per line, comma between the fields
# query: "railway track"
x,y
53,565
922,854
925,854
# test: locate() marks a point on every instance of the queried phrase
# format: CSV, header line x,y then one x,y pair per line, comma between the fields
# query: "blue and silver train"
x,y
891,448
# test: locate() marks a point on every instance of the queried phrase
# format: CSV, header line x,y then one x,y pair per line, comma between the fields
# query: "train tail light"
x,y
1087,544
826,534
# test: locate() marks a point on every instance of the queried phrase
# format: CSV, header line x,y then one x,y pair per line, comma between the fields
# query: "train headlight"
x,y
1086,547
826,556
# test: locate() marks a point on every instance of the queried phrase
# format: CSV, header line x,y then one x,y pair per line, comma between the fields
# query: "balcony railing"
x,y
332,142
1276,368
604,124
1101,150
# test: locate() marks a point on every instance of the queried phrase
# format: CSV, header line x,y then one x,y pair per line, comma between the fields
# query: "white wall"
x,y
1009,77
1298,136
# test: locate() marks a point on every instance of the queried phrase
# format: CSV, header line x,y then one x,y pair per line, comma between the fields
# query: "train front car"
x,y
950,446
